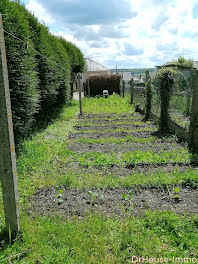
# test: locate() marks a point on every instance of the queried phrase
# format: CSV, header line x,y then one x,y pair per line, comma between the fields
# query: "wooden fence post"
x,y
148,96
80,95
120,86
193,140
88,88
123,88
132,90
188,98
8,169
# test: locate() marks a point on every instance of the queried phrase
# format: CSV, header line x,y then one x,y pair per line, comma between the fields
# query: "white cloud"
x,y
40,12
156,31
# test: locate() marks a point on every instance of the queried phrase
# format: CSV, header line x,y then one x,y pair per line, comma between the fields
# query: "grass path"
x,y
73,170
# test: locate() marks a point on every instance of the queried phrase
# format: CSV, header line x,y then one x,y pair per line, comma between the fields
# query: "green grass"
x,y
174,156
104,179
42,161
90,159
111,105
95,239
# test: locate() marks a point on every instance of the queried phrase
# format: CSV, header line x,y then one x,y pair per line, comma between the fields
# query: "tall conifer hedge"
x,y
40,69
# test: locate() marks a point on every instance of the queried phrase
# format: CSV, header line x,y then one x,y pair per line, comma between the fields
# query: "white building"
x,y
94,68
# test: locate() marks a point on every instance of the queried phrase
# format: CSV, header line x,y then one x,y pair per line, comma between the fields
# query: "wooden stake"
x,y
193,140
80,95
123,88
132,90
8,169
88,88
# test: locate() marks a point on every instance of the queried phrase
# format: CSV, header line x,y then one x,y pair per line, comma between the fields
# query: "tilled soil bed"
x,y
140,134
129,126
126,147
112,202
116,202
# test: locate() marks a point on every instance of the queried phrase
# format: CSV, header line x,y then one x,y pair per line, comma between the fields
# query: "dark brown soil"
x,y
129,126
105,116
111,202
126,147
142,134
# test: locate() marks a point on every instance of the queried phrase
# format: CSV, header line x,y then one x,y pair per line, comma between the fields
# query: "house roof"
x,y
172,64
138,80
126,76
93,66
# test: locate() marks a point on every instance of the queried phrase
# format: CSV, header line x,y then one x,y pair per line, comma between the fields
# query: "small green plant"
x,y
128,198
93,196
176,194
59,196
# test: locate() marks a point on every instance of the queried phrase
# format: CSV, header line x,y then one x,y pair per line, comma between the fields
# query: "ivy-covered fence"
x,y
41,67
172,93
172,98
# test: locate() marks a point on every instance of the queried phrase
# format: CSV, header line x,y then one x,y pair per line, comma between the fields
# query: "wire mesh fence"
x,y
180,103
140,96
180,100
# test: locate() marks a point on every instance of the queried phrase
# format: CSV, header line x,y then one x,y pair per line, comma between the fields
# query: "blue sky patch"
x,y
195,12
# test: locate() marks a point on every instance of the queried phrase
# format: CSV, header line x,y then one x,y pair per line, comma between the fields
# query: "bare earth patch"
x,y
126,147
111,201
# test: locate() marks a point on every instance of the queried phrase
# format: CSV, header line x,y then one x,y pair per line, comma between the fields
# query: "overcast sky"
x,y
126,33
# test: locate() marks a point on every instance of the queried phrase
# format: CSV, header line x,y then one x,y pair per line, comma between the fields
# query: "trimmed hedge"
x,y
37,83
98,83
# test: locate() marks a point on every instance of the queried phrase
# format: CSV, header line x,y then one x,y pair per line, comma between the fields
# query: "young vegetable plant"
x,y
59,196
128,198
176,194
93,196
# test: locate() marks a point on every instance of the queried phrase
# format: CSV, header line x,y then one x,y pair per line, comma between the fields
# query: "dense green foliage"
x,y
39,68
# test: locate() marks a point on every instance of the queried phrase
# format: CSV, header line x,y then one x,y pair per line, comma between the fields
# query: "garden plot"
x,y
81,206
130,150
114,202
